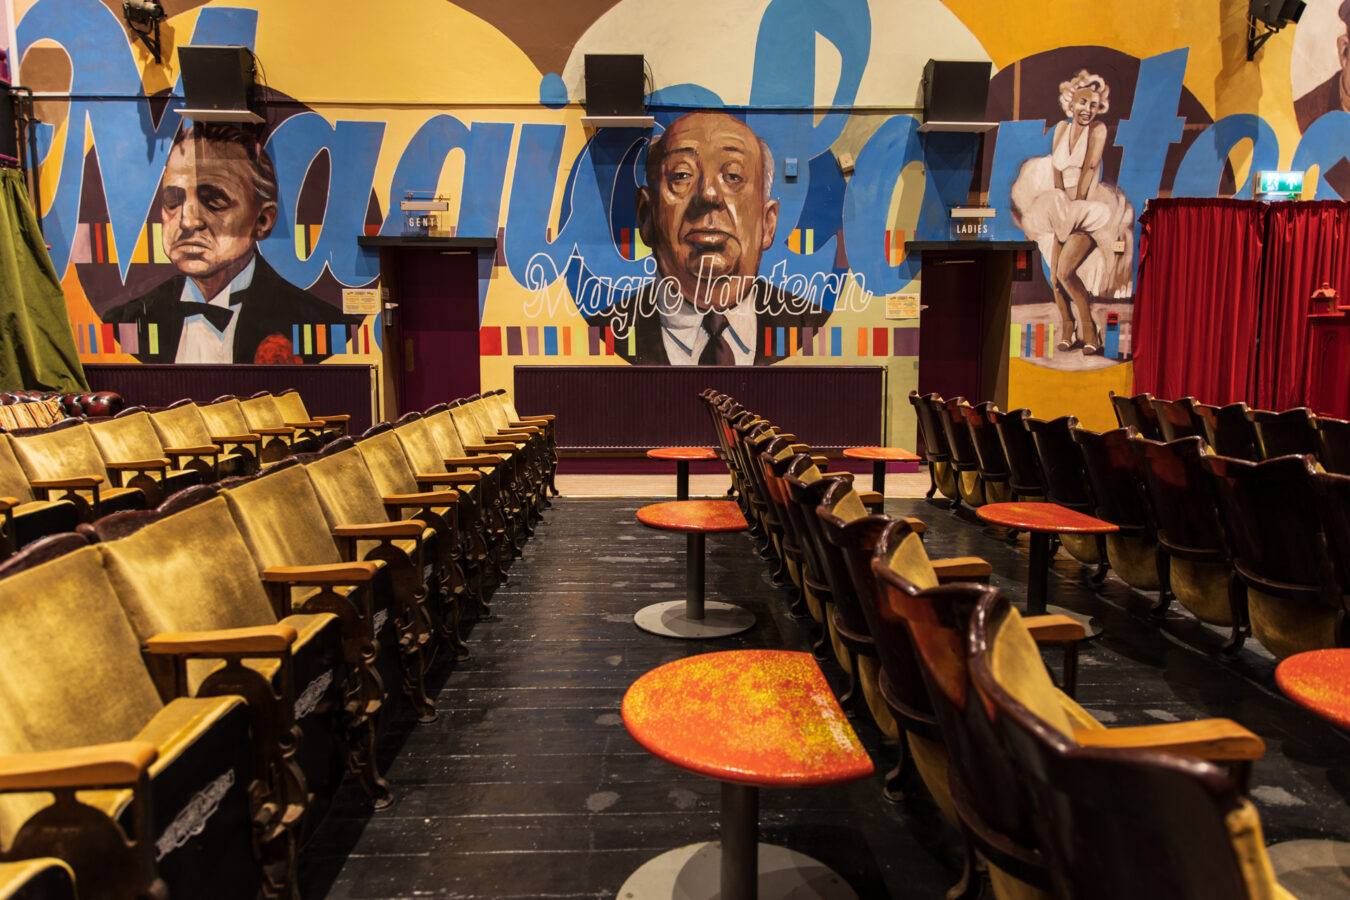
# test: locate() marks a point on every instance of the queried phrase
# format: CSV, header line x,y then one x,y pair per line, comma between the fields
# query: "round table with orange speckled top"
x,y
692,617
1043,520
879,456
682,456
751,719
1319,680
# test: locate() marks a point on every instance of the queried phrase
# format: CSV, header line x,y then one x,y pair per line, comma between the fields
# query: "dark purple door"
x,y
951,325
437,326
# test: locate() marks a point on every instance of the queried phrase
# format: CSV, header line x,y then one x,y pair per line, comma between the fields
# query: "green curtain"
x,y
37,345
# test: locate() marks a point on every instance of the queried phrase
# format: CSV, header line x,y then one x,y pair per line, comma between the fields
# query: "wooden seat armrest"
x,y
75,481
140,465
249,438
521,429
8,503
410,528
1055,629
846,476
121,764
486,461
450,477
918,527
258,639
341,417
962,568
283,430
324,573
871,498
1210,739
422,498
800,448
308,423
203,450
513,441
490,448
547,418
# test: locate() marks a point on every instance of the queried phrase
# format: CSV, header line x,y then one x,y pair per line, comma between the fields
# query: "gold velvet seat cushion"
x,y
441,426
64,453
944,476
74,677
192,571
349,496
282,520
262,412
181,426
291,407
423,453
389,467
29,879
1202,587
13,480
1286,626
1082,547
127,439
225,417
1135,560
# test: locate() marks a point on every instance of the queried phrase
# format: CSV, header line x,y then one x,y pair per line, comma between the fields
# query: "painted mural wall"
x,y
763,220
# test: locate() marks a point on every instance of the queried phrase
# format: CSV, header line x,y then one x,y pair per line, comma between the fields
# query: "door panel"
x,y
437,319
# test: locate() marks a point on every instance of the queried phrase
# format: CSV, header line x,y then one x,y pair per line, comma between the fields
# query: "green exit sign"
x,y
1277,185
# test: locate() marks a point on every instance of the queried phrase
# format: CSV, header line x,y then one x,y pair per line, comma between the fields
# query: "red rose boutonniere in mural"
x,y
275,350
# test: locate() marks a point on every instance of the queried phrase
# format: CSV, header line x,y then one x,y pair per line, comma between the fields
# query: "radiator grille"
x,y
638,407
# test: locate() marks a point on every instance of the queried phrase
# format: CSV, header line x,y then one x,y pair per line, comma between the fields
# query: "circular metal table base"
x,y
1311,869
694,873
670,620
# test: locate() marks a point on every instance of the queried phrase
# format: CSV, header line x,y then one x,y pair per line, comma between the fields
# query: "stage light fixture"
x,y
143,18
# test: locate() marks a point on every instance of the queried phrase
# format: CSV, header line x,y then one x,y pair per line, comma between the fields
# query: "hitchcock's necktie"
x,y
717,352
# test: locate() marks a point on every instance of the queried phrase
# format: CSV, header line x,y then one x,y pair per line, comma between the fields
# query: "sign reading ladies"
x,y
707,214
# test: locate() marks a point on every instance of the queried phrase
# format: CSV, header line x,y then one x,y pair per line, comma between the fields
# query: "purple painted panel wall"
x,y
639,407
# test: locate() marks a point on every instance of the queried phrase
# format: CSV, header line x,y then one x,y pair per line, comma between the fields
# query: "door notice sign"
x,y
902,306
360,301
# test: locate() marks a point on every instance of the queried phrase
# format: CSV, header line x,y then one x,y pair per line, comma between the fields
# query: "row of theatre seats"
x,y
1051,801
187,685
1258,545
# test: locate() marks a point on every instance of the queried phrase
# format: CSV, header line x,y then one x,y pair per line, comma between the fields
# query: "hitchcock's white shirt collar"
x,y
684,336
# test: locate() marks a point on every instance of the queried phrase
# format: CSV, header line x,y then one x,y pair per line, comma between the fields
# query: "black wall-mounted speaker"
x,y
614,84
217,78
955,90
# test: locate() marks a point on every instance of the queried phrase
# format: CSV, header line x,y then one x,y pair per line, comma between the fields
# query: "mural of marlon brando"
x,y
217,200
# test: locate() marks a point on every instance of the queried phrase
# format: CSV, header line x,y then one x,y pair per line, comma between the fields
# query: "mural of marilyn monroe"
x,y
1060,202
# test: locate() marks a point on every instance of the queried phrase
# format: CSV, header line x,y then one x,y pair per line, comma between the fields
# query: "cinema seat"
x,y
129,438
190,571
293,412
1196,569
368,524
1275,540
173,803
226,425
1119,819
1115,474
28,517
941,475
65,458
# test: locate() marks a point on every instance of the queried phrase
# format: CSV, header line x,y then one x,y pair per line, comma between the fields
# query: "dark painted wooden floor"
x,y
529,786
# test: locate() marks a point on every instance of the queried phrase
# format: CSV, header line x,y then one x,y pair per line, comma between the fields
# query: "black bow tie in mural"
x,y
219,316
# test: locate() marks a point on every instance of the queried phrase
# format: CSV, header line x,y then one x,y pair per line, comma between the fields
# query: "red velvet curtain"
x,y
1303,362
1196,299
